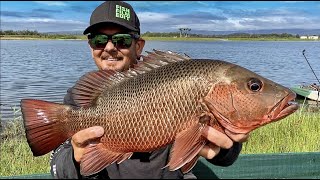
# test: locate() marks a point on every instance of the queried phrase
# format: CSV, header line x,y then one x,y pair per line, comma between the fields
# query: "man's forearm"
x,y
62,163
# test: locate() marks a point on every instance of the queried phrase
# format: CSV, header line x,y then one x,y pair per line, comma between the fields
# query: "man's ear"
x,y
139,46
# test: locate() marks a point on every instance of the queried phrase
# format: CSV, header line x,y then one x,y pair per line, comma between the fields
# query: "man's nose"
x,y
110,46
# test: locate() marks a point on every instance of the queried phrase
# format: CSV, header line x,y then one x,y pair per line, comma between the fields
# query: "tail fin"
x,y
45,129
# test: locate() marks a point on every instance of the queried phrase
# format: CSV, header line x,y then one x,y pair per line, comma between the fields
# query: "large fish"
x,y
167,98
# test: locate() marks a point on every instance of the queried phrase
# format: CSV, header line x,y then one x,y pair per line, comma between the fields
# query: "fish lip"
x,y
285,107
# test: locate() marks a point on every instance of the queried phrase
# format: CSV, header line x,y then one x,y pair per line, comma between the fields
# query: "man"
x,y
115,43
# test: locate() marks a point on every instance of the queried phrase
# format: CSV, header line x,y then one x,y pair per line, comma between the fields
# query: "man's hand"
x,y
219,140
237,137
82,138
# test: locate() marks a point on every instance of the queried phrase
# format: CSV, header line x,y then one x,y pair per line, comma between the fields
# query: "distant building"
x,y
314,37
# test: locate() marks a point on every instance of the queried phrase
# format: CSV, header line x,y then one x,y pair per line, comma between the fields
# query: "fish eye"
x,y
255,85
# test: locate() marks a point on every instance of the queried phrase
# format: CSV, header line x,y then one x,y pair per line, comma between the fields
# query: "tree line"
x,y
28,33
23,32
154,34
232,35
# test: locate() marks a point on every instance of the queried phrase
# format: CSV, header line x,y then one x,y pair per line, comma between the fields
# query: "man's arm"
x,y
227,157
64,166
62,162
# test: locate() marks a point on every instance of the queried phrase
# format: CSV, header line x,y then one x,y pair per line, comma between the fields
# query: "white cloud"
x,y
43,20
281,22
43,24
149,17
293,1
234,24
206,4
52,3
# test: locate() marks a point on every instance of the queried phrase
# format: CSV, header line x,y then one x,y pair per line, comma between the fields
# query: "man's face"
x,y
111,58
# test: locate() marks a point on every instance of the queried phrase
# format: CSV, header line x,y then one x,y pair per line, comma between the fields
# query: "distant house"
x,y
314,37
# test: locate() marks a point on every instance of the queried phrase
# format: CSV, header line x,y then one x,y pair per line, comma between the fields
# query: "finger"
x,y
209,151
82,137
216,137
237,137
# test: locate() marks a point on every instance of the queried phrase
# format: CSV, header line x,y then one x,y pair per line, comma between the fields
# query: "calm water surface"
x,y
46,69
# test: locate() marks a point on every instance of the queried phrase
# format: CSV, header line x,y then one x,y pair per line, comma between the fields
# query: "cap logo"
x,y
122,12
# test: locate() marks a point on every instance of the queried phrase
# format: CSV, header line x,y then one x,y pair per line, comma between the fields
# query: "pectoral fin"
x,y
97,157
188,166
186,147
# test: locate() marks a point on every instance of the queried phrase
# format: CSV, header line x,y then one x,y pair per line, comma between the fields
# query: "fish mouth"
x,y
284,108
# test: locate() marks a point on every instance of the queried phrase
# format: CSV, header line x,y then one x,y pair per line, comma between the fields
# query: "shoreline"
x,y
169,39
15,38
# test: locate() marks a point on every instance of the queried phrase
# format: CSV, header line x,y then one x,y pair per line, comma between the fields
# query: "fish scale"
x,y
131,110
165,99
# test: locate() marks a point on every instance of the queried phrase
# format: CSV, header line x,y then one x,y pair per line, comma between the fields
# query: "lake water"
x,y
46,69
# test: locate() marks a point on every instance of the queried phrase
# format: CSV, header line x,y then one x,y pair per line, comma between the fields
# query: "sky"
x,y
166,16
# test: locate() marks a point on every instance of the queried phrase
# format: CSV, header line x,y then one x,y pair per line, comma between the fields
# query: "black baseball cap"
x,y
116,12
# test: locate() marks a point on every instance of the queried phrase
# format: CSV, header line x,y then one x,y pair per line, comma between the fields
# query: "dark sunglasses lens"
x,y
98,41
122,41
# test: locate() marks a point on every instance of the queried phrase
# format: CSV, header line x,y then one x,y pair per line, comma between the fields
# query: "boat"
x,y
311,92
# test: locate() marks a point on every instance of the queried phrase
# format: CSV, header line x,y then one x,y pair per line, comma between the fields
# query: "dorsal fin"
x,y
166,57
91,85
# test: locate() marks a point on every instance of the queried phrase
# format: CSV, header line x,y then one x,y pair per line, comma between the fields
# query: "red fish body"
x,y
165,99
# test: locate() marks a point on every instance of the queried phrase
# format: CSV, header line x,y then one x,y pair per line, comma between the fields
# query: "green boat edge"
x,y
301,165
300,91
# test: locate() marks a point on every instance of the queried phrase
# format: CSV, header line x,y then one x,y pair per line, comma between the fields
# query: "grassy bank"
x,y
82,37
16,157
296,133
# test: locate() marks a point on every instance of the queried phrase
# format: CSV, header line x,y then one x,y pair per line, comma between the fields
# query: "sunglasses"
x,y
120,41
